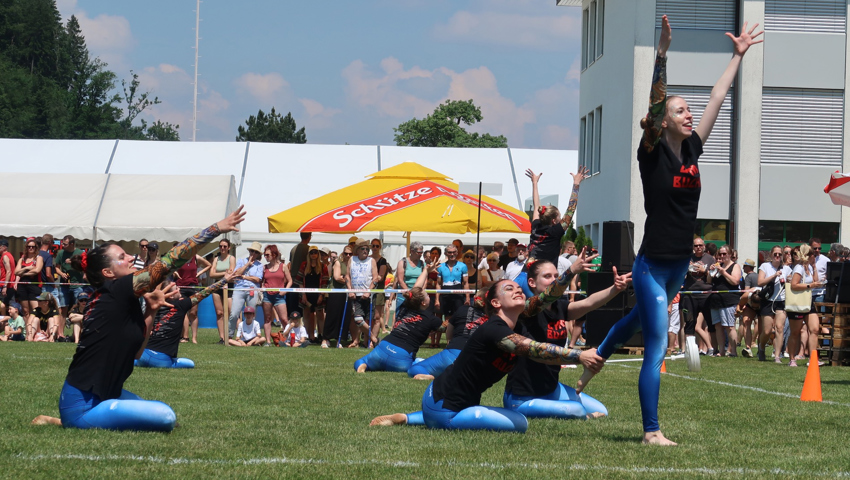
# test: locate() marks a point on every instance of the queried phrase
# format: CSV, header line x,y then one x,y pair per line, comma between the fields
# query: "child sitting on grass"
x,y
248,334
13,325
294,335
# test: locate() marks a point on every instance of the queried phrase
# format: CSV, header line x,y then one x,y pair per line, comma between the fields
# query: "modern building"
x,y
780,134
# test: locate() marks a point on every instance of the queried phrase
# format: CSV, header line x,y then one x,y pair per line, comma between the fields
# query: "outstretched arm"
x,y
535,195
146,279
742,43
658,94
583,173
550,354
556,290
580,308
198,296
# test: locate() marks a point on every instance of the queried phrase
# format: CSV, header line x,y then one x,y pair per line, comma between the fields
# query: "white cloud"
x,y
543,32
558,137
318,115
266,88
108,37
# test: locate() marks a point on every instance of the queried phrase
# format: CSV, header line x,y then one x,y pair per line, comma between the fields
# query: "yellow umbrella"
x,y
404,198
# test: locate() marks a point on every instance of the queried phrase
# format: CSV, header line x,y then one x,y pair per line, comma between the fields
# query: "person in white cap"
x,y
248,275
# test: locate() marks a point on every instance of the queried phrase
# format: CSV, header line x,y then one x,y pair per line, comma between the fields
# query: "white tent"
x,y
116,207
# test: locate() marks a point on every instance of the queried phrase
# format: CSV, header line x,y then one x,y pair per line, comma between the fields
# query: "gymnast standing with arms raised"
x,y
669,170
116,330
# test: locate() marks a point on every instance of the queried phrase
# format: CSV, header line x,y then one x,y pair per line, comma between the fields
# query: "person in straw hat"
x,y
248,276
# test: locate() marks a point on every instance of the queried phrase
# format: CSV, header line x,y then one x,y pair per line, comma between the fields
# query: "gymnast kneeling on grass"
x,y
115,331
532,388
413,323
453,399
161,351
461,326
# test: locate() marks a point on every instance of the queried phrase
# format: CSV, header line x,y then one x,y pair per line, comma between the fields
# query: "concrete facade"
x,y
748,189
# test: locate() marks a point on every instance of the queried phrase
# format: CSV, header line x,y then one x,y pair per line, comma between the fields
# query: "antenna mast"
x,y
195,95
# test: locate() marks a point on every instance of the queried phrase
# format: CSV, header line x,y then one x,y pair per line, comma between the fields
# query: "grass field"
x,y
285,413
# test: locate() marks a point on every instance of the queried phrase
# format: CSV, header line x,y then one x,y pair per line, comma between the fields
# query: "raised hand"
x,y
534,178
230,224
743,42
621,282
666,36
583,172
158,297
582,263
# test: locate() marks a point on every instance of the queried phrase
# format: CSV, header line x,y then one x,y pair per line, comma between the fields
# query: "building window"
x,y
590,148
697,14
582,143
792,126
592,21
805,16
713,231
718,149
795,233
596,160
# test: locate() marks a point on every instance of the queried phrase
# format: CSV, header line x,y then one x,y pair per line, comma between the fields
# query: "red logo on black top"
x,y
410,319
505,363
688,180
556,330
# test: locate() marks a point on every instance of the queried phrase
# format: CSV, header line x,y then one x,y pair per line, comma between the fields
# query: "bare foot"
x,y
375,340
389,420
45,420
423,376
657,438
354,345
195,340
361,368
591,416
582,382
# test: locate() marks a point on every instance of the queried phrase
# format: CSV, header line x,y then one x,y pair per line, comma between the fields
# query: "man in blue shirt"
x,y
452,275
249,276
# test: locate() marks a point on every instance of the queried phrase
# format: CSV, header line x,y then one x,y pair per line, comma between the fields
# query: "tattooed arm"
x,y
583,173
198,296
550,354
146,279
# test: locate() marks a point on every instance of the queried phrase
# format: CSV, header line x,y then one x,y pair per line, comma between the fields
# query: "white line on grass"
x,y
745,387
435,463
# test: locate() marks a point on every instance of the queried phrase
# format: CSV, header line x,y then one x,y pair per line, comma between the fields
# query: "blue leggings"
x,y
478,417
386,357
79,409
435,364
656,283
153,359
563,402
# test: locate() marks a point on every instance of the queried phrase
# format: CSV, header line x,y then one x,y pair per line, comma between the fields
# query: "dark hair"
x,y
711,248
306,235
414,298
225,241
491,294
439,251
47,238
815,240
644,122
96,261
70,239
548,213
535,267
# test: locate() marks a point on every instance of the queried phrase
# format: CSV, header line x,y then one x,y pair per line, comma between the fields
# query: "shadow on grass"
x,y
836,382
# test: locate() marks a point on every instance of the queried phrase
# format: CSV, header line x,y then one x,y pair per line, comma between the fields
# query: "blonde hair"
x,y
803,256
493,256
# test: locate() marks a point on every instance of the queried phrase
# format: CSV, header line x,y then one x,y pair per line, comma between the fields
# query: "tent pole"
x,y
478,232
407,251
225,316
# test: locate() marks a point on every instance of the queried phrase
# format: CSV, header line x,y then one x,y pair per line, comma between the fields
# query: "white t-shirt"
x,y
247,332
492,275
300,334
360,272
820,264
563,264
514,269
807,275
779,288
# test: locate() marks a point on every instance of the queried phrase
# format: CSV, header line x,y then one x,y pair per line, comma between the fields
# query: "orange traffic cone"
x,y
811,387
663,366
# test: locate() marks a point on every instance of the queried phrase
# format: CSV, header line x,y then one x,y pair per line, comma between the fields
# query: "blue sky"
x,y
348,71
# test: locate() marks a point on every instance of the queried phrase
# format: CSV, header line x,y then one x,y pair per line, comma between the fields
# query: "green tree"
x,y
443,128
582,240
271,128
136,104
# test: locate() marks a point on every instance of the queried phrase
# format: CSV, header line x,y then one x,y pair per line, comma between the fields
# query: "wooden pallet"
x,y
630,351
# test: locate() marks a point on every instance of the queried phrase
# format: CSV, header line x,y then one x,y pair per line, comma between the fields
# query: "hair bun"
x,y
644,123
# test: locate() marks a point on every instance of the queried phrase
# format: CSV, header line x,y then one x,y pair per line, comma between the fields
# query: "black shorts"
x,y
770,308
450,303
690,306
28,292
801,316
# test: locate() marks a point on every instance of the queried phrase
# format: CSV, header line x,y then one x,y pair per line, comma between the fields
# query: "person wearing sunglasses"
x,y
140,260
222,263
75,315
408,270
472,270
379,299
29,269
362,275
493,273
694,306
772,315
338,306
312,274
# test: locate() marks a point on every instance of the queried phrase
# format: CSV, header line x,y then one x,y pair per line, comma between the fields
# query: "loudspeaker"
x,y
617,251
834,272
599,322
598,281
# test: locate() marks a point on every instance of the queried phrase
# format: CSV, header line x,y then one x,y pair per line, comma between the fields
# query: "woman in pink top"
x,y
276,275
